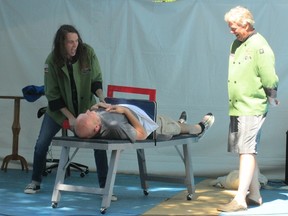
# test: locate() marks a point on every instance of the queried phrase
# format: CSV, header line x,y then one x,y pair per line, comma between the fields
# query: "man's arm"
x,y
100,105
140,131
70,117
99,94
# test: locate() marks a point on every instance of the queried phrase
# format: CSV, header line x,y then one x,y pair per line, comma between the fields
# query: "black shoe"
x,y
183,117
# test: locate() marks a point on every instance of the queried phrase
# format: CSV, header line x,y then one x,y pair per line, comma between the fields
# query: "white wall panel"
x,y
179,48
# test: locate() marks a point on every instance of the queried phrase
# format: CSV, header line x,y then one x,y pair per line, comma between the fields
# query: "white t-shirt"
x,y
148,124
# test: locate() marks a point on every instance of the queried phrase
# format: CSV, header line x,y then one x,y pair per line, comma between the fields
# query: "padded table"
x,y
116,147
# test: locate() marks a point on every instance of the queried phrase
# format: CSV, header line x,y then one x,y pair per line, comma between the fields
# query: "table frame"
x,y
116,147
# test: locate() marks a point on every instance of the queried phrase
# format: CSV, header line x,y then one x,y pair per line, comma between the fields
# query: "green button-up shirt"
x,y
251,76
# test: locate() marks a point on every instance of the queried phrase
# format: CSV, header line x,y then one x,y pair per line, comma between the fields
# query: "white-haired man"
x,y
252,85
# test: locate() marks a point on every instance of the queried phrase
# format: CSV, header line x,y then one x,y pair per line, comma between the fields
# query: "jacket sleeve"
x,y
52,90
266,71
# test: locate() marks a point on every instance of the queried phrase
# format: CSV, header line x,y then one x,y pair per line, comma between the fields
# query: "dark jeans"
x,y
49,129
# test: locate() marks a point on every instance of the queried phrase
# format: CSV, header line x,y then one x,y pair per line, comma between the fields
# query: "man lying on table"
x,y
125,121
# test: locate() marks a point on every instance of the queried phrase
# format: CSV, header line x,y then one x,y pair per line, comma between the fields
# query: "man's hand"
x,y
100,105
70,117
116,109
101,99
99,94
273,101
72,121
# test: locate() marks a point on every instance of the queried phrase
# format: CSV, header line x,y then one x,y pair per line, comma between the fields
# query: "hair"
x,y
59,51
239,15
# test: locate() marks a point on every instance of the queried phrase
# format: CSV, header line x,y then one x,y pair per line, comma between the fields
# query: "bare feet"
x,y
233,206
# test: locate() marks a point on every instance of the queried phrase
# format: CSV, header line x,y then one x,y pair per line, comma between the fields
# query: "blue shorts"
x,y
244,133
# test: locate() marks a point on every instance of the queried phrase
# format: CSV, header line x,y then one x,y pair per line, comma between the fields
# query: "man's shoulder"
x,y
258,40
88,47
49,58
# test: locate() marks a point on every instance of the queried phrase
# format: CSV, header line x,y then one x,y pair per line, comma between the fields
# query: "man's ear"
x,y
97,129
248,27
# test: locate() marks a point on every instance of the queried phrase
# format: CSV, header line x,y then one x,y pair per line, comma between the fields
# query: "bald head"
x,y
87,124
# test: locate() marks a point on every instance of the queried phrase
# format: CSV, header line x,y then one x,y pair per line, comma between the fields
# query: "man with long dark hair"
x,y
72,79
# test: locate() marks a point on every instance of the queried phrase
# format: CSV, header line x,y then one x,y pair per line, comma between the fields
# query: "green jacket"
x,y
251,76
58,87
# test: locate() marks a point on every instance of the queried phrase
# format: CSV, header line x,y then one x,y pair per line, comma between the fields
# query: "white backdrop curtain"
x,y
180,49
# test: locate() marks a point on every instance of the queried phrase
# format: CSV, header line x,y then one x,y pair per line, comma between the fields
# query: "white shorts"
x,y
244,133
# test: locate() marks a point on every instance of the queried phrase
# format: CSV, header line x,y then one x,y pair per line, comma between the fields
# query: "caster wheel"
x,y
82,174
145,192
86,171
103,210
54,205
45,173
189,196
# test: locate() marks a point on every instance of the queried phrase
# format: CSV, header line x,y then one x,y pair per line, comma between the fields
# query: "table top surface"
x,y
11,97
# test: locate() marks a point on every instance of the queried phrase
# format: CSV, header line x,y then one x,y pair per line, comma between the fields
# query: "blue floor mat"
x,y
131,199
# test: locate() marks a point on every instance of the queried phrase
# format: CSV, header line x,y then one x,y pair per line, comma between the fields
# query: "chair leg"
x,y
84,170
48,169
